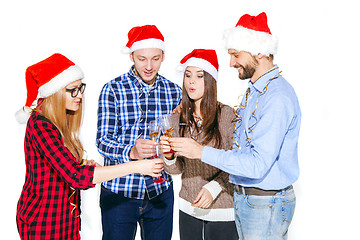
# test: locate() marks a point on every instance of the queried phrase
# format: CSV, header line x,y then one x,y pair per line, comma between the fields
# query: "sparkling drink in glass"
x,y
167,129
154,131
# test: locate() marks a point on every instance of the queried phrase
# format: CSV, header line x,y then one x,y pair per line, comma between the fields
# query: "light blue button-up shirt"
x,y
265,153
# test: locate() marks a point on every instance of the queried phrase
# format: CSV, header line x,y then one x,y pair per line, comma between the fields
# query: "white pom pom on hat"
x,y
23,114
46,78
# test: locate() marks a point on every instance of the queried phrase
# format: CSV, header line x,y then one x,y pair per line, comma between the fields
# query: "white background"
x,y
318,54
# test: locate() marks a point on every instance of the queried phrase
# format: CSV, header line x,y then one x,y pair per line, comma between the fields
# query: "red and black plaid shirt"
x,y
46,206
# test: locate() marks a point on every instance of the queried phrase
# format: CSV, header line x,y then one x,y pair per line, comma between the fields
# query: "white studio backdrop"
x,y
318,54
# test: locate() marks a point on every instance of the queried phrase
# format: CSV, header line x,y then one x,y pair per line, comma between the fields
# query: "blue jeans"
x,y
120,216
264,217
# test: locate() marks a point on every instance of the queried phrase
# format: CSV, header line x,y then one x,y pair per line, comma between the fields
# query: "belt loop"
x,y
284,190
243,190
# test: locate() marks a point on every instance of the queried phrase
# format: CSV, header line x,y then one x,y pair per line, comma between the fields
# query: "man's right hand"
x,y
144,148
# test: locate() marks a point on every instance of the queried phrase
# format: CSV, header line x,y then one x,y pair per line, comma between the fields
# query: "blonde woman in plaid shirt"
x,y
48,207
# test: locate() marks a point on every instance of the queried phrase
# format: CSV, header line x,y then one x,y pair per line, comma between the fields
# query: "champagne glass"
x,y
167,129
154,130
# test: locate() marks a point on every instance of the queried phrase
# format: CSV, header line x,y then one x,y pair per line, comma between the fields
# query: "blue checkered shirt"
x,y
126,106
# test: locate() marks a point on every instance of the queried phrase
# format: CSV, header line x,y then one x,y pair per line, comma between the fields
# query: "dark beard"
x,y
248,72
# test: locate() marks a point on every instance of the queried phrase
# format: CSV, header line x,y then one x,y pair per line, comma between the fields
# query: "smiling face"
x,y
73,103
194,83
244,62
147,63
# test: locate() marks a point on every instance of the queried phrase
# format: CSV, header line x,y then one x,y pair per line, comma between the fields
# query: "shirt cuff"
x,y
169,162
214,188
126,153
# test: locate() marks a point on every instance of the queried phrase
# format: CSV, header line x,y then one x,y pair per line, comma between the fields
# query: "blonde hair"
x,y
54,109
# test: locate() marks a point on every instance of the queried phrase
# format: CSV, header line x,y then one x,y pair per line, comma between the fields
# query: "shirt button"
x,y
74,174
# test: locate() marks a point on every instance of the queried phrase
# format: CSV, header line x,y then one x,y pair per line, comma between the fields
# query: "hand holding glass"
x,y
154,134
154,130
167,129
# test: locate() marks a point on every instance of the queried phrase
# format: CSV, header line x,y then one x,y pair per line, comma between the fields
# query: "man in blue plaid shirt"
x,y
126,106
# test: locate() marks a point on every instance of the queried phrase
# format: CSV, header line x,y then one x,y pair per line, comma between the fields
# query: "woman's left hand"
x,y
186,147
203,199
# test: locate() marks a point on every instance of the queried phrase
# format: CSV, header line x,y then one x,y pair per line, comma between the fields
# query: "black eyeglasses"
x,y
75,91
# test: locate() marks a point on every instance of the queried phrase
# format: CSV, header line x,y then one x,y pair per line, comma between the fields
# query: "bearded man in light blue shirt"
x,y
263,162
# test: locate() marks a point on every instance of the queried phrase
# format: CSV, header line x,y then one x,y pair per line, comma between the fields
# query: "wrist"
x,y
132,154
214,188
201,148
132,166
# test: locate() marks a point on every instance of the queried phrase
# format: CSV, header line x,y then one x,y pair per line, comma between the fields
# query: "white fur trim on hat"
x,y
201,63
254,42
147,43
60,81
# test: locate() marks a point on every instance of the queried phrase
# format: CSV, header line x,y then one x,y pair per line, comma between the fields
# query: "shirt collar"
x,y
139,82
261,83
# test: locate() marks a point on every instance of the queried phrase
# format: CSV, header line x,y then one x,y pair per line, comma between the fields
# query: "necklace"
x,y
198,120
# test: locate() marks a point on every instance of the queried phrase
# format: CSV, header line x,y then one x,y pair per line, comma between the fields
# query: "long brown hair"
x,y
68,122
210,110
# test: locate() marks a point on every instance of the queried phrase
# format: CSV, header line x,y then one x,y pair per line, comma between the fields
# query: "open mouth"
x,y
148,74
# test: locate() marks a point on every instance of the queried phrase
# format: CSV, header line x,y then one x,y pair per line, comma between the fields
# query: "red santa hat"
x,y
46,78
251,34
147,36
206,59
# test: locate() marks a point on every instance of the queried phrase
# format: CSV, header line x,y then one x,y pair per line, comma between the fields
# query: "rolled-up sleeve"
x,y
48,141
